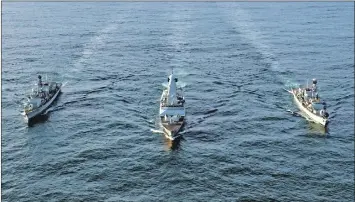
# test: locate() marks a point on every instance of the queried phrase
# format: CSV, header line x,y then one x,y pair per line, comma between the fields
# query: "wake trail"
x,y
90,49
242,21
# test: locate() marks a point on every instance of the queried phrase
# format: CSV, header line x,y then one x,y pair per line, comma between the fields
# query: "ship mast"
x,y
171,97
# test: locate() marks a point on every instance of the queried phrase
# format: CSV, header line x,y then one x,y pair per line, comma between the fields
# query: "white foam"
x,y
157,131
65,83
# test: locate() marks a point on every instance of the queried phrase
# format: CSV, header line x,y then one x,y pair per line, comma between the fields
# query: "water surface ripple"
x,y
233,60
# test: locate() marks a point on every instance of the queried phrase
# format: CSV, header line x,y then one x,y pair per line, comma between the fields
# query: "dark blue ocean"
x,y
99,141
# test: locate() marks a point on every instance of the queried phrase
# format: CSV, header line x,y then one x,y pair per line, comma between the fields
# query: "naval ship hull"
x,y
171,130
315,118
39,111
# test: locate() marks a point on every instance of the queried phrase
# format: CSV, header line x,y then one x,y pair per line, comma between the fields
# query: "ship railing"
x,y
178,105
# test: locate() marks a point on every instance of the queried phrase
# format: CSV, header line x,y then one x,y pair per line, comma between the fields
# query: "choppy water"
x,y
233,60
